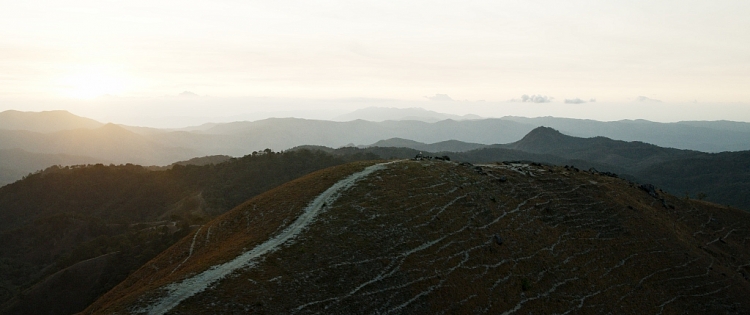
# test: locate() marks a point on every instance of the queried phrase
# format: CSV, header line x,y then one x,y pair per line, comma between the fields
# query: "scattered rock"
x,y
650,189
609,174
479,170
420,157
666,205
572,168
498,239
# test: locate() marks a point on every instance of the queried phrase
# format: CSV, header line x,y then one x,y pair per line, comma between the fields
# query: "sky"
x,y
162,63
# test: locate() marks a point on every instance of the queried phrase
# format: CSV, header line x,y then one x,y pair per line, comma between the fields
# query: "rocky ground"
x,y
433,237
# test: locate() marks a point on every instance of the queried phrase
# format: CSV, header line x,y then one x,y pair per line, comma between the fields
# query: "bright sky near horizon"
x,y
316,55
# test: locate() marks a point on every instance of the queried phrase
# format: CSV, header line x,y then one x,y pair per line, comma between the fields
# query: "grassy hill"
x,y
53,220
427,237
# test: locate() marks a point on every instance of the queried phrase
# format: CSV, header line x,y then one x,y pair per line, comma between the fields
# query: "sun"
x,y
92,81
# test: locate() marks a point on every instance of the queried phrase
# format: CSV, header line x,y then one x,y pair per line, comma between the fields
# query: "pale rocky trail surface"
x,y
437,237
178,292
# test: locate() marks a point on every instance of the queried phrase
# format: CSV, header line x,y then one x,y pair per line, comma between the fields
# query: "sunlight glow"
x,y
92,81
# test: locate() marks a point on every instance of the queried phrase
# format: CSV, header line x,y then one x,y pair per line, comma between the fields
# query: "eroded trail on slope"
x,y
180,291
435,237
425,237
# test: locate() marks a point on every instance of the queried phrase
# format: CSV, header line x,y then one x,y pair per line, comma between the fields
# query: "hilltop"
x,y
431,236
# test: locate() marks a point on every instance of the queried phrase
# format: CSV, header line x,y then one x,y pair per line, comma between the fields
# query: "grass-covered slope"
x,y
439,237
52,220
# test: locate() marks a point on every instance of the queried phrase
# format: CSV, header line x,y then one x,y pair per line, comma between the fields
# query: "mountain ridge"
x,y
45,121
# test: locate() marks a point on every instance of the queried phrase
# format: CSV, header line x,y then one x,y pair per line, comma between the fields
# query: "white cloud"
x,y
188,94
646,99
533,99
574,101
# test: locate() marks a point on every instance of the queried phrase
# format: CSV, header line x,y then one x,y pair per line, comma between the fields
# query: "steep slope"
x,y
57,218
439,237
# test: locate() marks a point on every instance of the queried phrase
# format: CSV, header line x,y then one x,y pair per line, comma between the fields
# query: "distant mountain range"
x,y
442,146
386,113
61,133
97,223
16,163
47,121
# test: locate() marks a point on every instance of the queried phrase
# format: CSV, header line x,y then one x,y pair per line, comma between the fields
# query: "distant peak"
x,y
541,136
646,99
543,131
440,97
187,94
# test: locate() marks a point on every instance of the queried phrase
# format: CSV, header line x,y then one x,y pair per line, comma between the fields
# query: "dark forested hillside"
x,y
55,219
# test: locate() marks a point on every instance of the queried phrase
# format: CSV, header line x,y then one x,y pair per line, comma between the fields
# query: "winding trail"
x,y
178,292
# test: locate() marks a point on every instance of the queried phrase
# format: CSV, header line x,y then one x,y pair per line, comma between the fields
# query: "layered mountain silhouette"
x,y
718,177
407,237
385,113
108,142
115,218
62,133
691,135
17,163
442,146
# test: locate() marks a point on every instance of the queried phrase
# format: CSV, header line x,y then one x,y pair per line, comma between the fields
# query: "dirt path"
x,y
177,292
